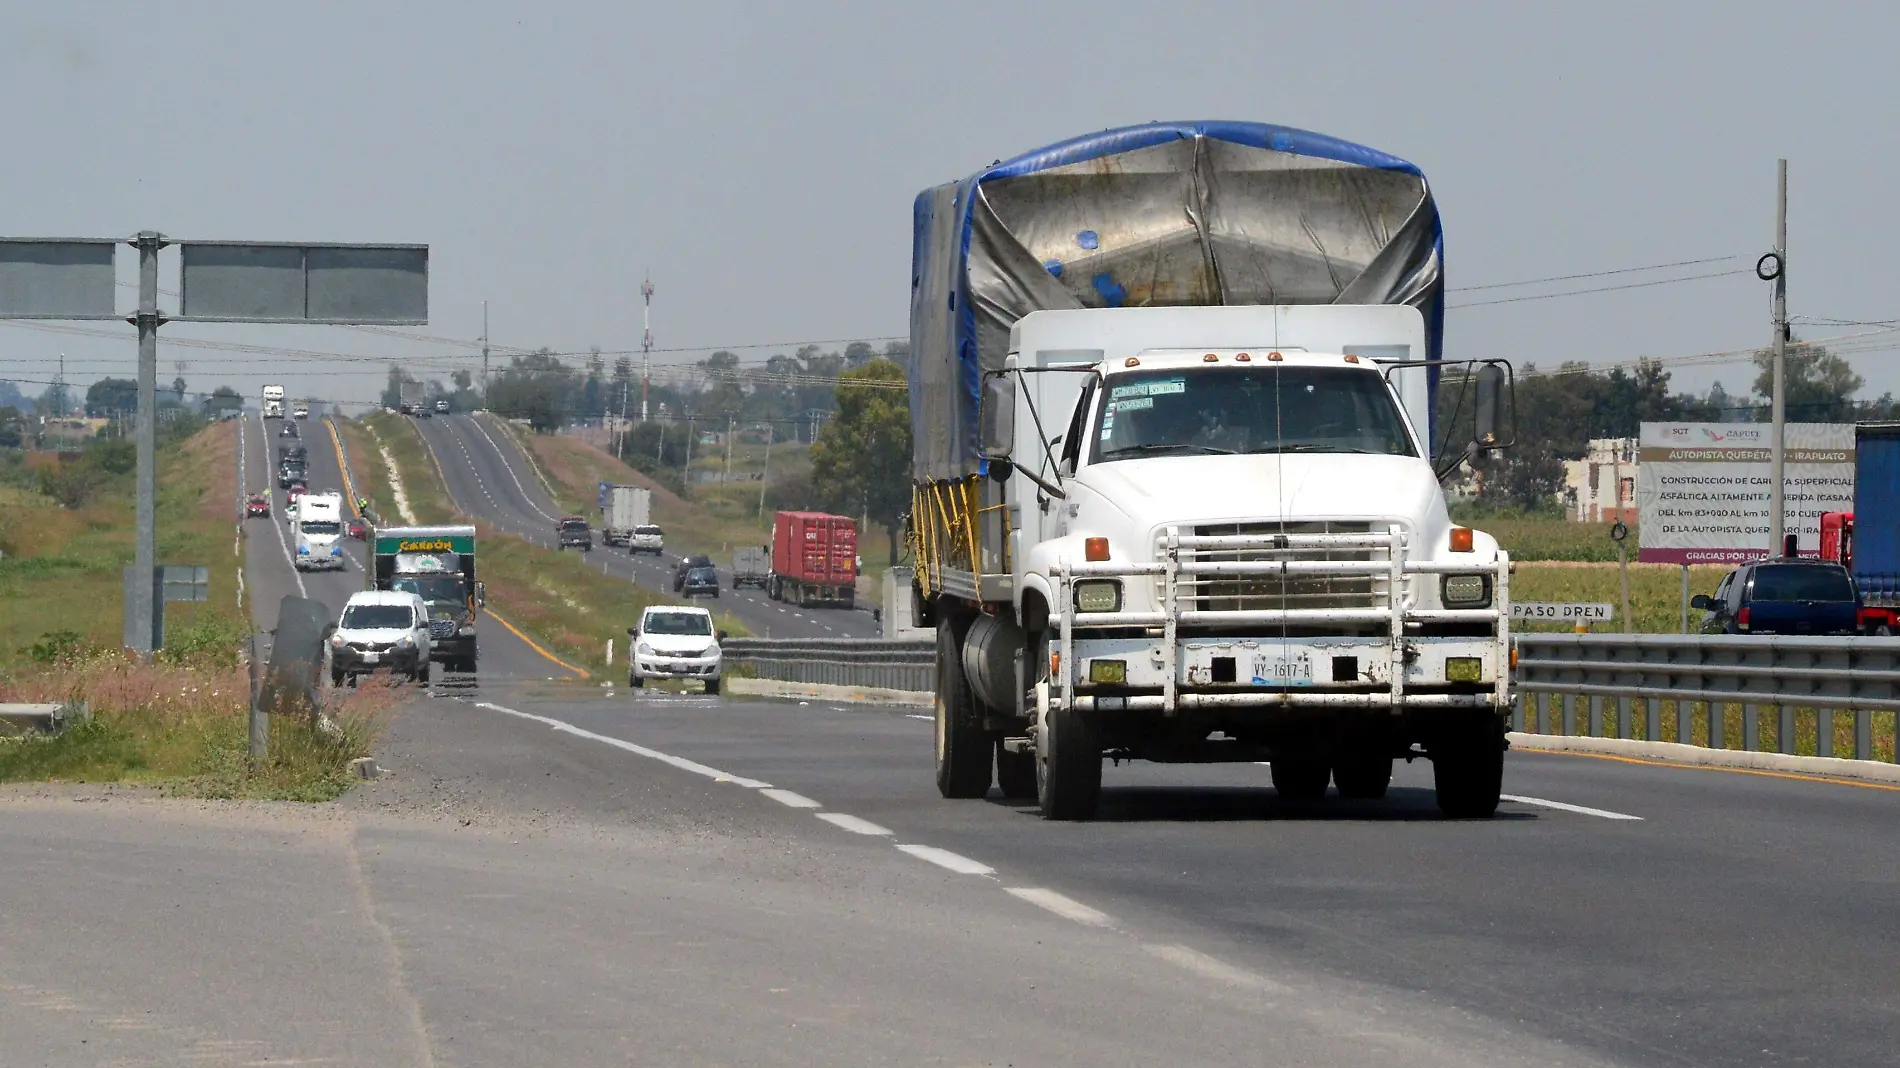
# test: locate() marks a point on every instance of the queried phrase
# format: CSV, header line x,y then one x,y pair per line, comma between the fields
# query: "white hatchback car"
x,y
675,643
381,629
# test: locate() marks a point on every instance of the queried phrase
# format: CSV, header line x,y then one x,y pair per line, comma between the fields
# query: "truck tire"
x,y
712,687
1068,766
1468,767
336,678
1016,772
1301,779
963,749
1362,776
635,682
422,673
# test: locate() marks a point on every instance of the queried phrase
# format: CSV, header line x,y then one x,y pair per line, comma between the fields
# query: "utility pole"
x,y
765,476
646,344
484,354
727,476
1776,516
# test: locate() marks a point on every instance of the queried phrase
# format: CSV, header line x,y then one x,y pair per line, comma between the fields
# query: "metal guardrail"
x,y
1617,686
891,665
1768,693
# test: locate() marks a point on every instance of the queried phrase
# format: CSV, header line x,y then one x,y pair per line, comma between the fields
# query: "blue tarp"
x,y
1166,214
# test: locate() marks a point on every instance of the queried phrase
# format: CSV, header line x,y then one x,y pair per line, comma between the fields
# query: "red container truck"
x,y
814,559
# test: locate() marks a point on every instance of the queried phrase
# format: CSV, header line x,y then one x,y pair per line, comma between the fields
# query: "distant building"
x,y
1601,487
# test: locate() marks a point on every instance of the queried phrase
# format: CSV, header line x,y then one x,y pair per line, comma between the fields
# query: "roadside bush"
x,y
57,647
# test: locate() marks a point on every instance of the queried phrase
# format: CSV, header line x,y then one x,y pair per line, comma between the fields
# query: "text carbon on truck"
x,y
1204,532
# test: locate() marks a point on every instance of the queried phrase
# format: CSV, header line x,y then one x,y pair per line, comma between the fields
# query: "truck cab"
x,y
1221,537
320,532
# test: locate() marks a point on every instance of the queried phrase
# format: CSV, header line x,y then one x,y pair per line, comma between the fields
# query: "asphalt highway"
x,y
487,476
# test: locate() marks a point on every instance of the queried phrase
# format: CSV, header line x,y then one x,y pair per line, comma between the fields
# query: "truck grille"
x,y
1272,592
442,628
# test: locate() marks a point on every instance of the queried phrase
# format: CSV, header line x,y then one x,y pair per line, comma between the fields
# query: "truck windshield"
x,y
1248,410
378,617
1801,582
435,589
322,527
677,623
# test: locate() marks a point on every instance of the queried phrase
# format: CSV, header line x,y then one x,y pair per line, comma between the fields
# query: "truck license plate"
x,y
1289,668
371,658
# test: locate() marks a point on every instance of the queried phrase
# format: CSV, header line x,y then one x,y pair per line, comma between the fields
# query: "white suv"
x,y
675,643
647,539
381,629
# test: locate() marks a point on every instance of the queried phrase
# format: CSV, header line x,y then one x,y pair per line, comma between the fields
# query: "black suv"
x,y
1782,596
700,582
688,563
574,533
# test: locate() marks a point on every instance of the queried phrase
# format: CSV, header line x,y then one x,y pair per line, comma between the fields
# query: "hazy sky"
x,y
760,160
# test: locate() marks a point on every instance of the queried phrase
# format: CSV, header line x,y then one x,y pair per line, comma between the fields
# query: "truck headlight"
x,y
645,649
1098,595
466,630
1465,591
405,642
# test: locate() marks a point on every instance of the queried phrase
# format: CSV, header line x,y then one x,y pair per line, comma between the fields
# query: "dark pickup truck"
x,y
574,533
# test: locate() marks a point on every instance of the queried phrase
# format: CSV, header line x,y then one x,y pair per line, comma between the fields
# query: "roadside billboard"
x,y
1702,489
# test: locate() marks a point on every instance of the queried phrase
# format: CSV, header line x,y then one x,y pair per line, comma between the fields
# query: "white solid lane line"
x,y
943,858
790,799
852,823
1207,967
1563,807
1066,907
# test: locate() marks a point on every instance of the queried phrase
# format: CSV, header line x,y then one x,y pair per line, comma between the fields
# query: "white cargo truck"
x,y
320,532
622,508
273,402
1175,490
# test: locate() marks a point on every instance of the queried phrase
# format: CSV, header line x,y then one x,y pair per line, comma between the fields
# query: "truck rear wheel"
x,y
1016,772
1468,767
1301,779
963,749
1362,776
1068,766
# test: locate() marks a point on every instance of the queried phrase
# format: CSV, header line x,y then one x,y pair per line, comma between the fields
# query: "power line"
x,y
1601,289
1595,274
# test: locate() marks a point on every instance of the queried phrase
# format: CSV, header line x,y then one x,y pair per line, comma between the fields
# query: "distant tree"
x,y
109,395
12,427
11,397
860,465
177,395
537,387
723,396
1820,385
223,399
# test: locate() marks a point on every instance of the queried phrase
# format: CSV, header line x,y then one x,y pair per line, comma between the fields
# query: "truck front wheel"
x,y
1068,765
1468,767
963,748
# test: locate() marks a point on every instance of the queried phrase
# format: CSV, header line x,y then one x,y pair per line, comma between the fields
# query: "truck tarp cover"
x,y
1168,214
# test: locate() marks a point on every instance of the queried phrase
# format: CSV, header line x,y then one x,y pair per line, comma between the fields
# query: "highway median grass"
x,y
421,481
180,723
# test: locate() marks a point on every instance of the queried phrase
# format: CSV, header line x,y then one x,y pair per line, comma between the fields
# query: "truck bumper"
x,y
450,649
1386,654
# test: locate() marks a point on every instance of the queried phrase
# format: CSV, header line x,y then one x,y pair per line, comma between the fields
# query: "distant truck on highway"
x,y
411,399
438,564
752,566
623,508
1867,540
814,559
1176,473
273,402
320,532
301,411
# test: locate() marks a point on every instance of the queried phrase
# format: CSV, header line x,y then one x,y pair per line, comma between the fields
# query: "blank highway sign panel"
x,y
259,282
56,279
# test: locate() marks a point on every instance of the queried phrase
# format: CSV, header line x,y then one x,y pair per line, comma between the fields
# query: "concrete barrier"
x,y
814,691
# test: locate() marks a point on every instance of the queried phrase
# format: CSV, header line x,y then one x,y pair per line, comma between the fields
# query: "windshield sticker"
x,y
1130,404
1149,389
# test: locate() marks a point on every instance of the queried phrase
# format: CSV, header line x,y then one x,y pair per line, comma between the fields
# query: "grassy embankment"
x,y
179,720
562,601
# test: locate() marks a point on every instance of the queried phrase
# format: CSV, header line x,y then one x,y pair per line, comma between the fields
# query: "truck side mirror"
x,y
1488,414
481,594
633,630
720,636
997,417
1701,603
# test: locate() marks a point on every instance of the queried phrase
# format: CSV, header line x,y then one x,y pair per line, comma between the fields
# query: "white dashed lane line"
x,y
947,860
852,823
790,799
1600,813
1066,907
